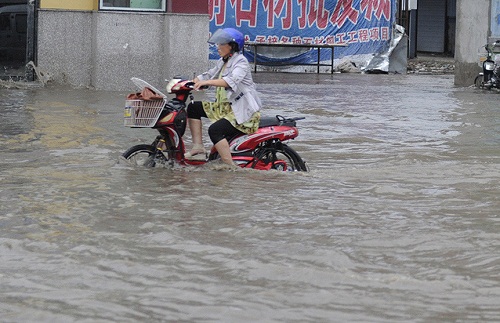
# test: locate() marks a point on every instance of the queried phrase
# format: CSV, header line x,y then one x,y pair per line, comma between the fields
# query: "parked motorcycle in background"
x,y
490,61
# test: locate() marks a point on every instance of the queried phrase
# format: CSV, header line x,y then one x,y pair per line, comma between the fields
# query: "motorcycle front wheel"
x,y
478,82
141,155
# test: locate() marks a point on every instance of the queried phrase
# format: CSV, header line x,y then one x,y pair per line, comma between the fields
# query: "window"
x,y
136,5
5,22
21,23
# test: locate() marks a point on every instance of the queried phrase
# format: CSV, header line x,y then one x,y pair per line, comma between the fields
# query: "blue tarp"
x,y
366,26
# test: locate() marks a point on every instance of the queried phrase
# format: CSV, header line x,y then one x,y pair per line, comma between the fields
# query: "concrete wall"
x,y
105,49
472,33
65,53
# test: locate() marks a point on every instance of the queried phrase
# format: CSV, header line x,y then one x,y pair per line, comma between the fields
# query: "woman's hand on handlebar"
x,y
200,85
207,83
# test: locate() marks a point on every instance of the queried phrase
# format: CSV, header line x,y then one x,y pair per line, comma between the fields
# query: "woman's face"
x,y
224,49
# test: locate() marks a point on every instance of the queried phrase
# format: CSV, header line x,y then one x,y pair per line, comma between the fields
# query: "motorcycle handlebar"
x,y
191,86
489,47
282,119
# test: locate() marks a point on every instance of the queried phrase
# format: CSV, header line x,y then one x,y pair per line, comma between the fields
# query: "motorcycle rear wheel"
x,y
294,163
140,155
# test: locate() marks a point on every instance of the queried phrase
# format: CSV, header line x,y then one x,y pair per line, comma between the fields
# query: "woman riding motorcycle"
x,y
237,105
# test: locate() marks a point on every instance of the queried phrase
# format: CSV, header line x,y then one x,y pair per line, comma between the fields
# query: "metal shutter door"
x,y
431,26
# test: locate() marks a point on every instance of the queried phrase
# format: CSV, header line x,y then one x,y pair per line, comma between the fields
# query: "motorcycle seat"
x,y
275,121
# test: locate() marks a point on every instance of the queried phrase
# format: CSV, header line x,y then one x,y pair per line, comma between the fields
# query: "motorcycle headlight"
x,y
171,86
489,66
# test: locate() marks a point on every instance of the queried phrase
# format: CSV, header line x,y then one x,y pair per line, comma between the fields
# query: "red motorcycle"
x,y
264,149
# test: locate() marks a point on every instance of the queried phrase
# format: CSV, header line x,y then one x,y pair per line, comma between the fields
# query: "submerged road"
x,y
398,219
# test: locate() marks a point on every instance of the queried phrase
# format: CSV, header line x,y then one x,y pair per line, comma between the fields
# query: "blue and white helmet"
x,y
228,36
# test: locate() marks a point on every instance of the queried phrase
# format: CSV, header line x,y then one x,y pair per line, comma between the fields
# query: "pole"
x,y
31,40
412,32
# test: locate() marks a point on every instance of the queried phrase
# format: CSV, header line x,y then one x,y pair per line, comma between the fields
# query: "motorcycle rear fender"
x,y
249,142
249,162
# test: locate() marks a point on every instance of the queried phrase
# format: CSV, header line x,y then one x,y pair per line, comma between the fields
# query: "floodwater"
x,y
397,221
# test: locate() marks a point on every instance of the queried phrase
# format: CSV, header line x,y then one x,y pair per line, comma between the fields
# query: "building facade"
x,y
459,28
478,22
103,43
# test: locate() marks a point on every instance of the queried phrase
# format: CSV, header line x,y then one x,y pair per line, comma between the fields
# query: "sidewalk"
x,y
431,64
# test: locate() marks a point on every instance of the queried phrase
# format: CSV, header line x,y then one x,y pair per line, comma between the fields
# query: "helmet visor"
x,y
220,37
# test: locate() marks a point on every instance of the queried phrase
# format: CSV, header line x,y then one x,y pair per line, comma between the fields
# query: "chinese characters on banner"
x,y
364,25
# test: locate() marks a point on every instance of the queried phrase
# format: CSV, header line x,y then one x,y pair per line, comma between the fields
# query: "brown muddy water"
x,y
397,221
